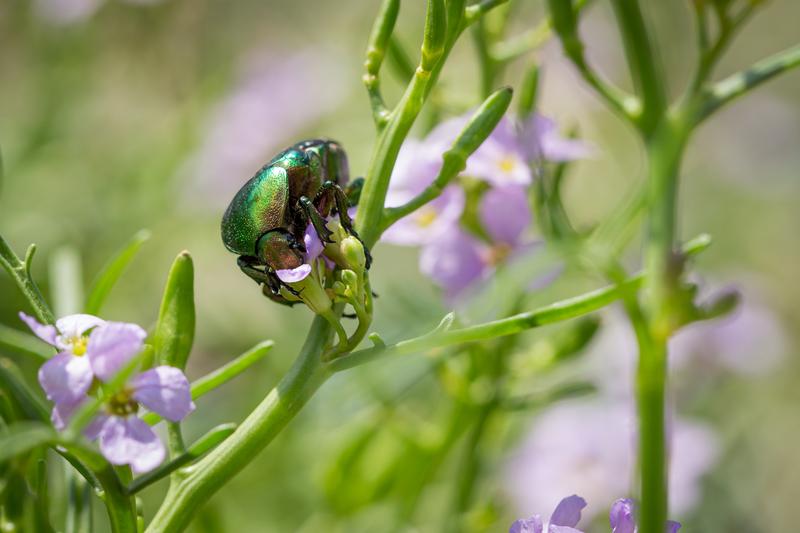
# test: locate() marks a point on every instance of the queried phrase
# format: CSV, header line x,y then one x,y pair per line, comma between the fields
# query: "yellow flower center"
x,y
78,344
498,254
426,216
122,403
507,164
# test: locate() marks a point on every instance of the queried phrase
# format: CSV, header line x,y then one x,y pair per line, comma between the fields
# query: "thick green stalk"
x,y
665,152
257,430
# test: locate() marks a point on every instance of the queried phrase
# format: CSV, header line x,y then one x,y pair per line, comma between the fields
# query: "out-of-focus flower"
x,y
278,93
589,447
749,341
623,520
418,163
126,439
88,347
66,12
505,157
565,517
456,260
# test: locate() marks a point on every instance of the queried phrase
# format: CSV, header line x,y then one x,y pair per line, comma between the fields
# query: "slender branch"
x,y
709,57
557,312
514,47
738,84
563,16
476,11
442,336
376,51
642,63
20,272
479,127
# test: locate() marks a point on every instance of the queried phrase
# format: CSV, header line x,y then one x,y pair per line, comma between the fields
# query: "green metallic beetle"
x,y
266,220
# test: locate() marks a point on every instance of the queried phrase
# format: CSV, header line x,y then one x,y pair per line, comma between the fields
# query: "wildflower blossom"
x,y
565,517
124,438
506,156
418,164
457,260
589,447
88,347
622,518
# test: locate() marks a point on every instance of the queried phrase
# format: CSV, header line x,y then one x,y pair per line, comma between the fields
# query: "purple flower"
x,y
88,347
126,439
506,156
622,518
314,249
589,447
563,520
456,260
418,164
749,341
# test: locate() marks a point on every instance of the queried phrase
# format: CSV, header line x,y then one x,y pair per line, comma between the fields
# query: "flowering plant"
x,y
480,194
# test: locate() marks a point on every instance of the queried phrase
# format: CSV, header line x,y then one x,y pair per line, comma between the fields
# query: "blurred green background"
x,y
116,116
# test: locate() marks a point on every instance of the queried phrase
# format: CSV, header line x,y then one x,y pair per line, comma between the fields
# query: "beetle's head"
x,y
280,250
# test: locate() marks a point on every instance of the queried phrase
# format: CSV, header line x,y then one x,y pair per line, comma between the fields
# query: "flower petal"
x,y
164,390
453,261
621,516
568,511
429,221
128,440
65,378
293,275
505,213
313,244
45,332
112,345
529,525
673,526
76,325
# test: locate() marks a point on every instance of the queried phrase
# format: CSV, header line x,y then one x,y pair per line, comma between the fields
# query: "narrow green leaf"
x,y
29,400
482,122
42,514
23,437
223,374
202,446
529,92
16,341
112,271
174,333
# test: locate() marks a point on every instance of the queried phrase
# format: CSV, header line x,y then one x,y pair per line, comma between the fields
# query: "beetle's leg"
x,y
353,191
248,266
331,188
316,220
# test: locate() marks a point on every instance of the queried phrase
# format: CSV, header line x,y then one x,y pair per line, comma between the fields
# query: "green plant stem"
x,y
257,430
121,508
738,84
665,152
557,312
20,272
369,219
642,63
